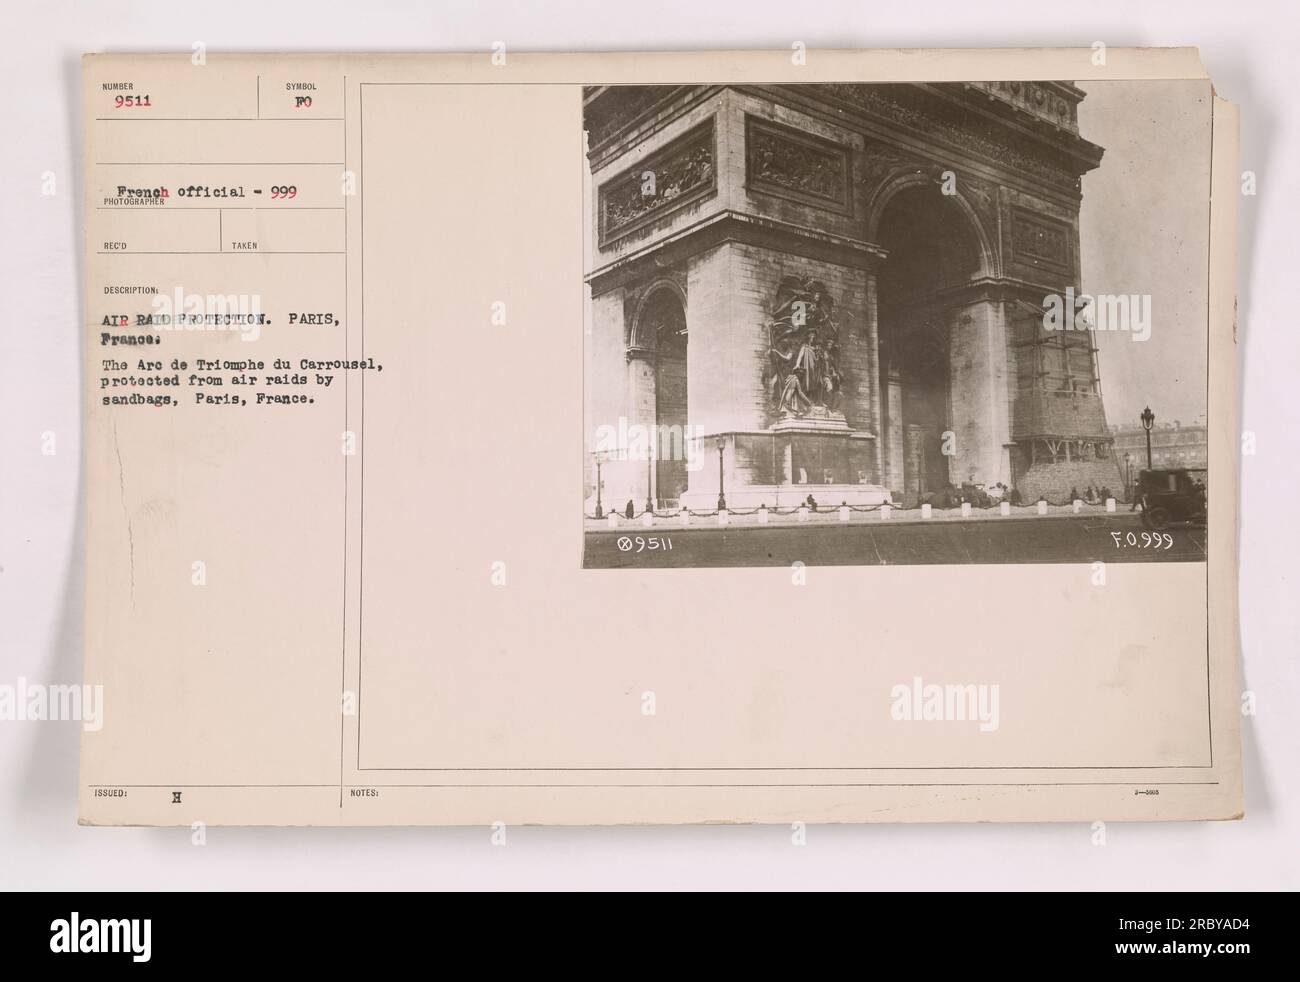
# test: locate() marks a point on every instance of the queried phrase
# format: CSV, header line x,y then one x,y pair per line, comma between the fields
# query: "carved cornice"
x,y
906,107
733,226
609,109
1030,128
998,289
1051,102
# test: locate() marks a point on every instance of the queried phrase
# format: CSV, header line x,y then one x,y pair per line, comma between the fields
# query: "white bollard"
x,y
803,513
685,517
1005,508
926,511
1110,504
723,517
1077,505
1042,507
762,514
648,519
612,520
844,513
884,513
965,509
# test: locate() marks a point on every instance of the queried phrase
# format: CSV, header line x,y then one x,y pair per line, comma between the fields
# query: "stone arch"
x,y
927,320
641,336
990,265
657,357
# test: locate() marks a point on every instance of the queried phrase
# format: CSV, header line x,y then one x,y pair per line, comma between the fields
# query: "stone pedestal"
x,y
783,465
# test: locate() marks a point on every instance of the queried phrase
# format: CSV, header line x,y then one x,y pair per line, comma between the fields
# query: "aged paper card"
x,y
660,438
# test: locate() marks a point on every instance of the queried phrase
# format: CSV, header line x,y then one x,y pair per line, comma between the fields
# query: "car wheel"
x,y
1157,518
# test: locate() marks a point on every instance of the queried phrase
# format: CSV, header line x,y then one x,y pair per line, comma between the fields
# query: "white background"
x,y
1250,50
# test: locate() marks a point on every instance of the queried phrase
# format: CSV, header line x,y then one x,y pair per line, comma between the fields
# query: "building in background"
x,y
1172,445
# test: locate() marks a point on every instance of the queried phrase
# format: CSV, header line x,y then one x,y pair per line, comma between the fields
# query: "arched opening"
x,y
932,248
663,324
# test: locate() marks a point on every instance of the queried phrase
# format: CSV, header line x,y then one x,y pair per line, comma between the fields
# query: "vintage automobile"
x,y
1171,496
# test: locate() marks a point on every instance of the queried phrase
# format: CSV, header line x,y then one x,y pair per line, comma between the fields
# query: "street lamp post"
x,y
1128,473
649,482
600,512
722,491
1148,420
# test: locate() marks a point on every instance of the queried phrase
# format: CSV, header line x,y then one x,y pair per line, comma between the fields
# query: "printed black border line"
x,y
361,555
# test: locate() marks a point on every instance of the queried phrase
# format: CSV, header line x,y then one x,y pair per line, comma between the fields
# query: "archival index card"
x,y
660,438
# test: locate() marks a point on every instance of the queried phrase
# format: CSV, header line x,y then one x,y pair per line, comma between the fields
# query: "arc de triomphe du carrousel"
x,y
837,291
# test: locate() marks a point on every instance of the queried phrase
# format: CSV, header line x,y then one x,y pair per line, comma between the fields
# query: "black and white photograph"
x,y
860,324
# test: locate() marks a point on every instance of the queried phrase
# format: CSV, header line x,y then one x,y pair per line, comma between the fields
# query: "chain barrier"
x,y
821,509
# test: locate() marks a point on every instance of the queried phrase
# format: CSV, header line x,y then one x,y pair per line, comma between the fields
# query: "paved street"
x,y
868,541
